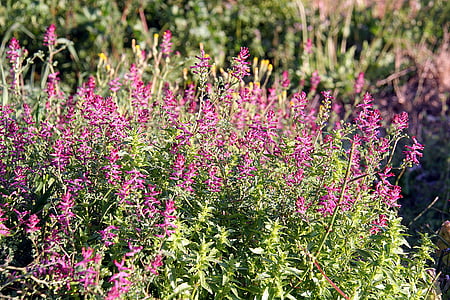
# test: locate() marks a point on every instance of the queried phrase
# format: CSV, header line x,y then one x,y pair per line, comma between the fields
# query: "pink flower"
x,y
166,45
241,68
359,83
14,52
134,250
387,192
121,283
114,85
65,207
400,121
155,264
285,81
108,235
50,36
202,66
308,46
33,220
52,85
368,120
413,152
4,231
378,224
315,80
301,206
328,202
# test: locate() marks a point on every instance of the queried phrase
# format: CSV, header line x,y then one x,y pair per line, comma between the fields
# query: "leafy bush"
x,y
155,182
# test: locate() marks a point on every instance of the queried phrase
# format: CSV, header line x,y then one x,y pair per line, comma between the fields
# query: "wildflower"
x,y
210,118
134,250
155,264
166,45
246,169
108,235
52,85
368,120
285,81
387,192
171,106
378,224
14,52
114,85
315,80
65,206
50,36
300,205
328,202
14,55
4,231
359,83
413,152
202,66
400,121
120,280
241,68
308,46
33,220
178,167
168,217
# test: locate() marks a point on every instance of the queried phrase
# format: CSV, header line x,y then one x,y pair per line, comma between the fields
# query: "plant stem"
x,y
341,197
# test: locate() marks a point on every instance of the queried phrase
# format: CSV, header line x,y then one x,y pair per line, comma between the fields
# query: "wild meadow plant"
x,y
152,182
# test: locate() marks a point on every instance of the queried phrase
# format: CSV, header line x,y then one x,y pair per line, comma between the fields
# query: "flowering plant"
x,y
211,187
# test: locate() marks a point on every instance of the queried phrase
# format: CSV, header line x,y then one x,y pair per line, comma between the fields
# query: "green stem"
x,y
341,198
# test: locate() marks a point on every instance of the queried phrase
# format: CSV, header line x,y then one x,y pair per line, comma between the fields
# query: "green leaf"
x,y
265,295
257,250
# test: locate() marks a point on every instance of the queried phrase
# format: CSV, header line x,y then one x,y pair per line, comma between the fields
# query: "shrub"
x,y
155,182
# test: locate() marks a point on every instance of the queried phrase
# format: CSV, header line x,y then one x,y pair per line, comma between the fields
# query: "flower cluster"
x,y
135,172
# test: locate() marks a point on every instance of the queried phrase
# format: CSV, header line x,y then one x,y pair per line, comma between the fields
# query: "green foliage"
x,y
241,189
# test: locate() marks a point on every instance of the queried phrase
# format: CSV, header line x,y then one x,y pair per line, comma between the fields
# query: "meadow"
x,y
223,149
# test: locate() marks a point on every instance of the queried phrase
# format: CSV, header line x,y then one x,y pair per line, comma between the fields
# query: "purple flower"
x,y
285,80
387,192
14,55
209,119
328,202
315,80
50,36
134,250
214,183
52,85
14,52
301,206
4,231
114,85
308,46
134,183
359,83
246,169
166,45
120,280
202,66
155,264
368,120
241,68
168,217
65,207
108,235
171,106
413,152
400,121
378,224
33,220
